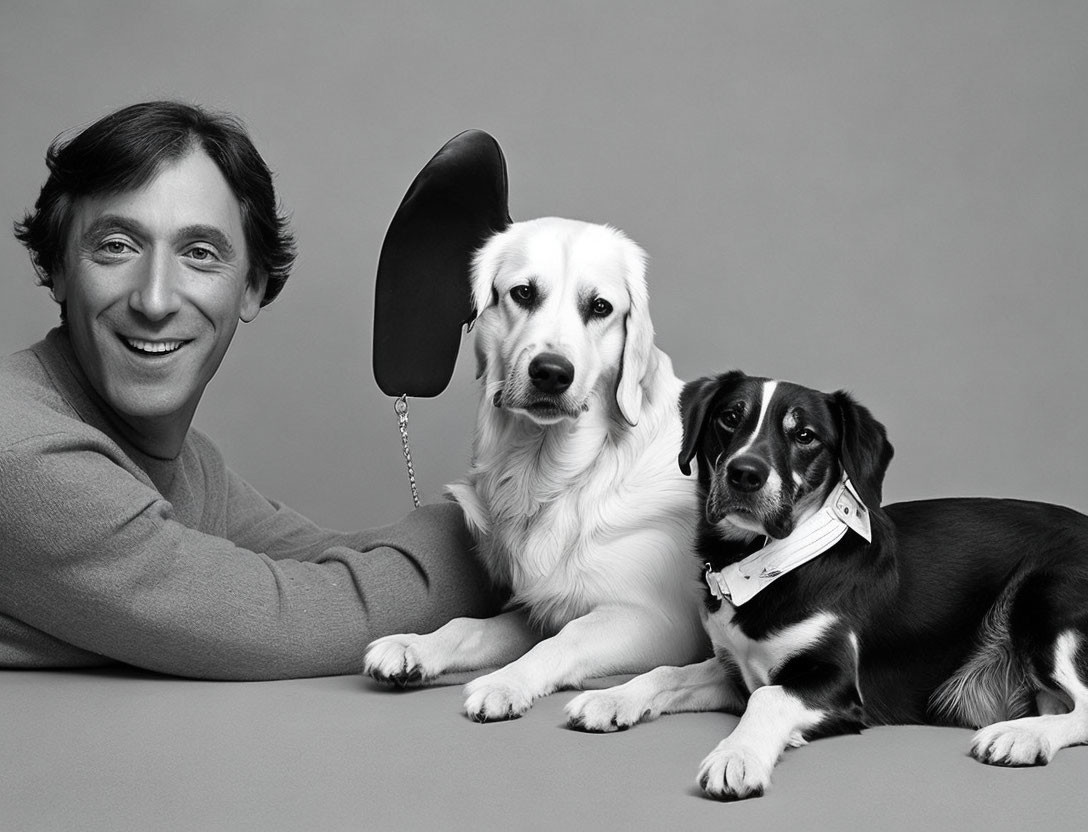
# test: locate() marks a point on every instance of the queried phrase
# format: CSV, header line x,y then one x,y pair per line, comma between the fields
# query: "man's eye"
x,y
202,254
115,247
600,308
804,437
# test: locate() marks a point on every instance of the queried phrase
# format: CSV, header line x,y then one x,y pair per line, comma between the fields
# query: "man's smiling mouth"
x,y
154,348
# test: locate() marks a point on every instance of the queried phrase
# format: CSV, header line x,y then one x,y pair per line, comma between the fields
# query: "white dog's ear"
x,y
639,339
486,263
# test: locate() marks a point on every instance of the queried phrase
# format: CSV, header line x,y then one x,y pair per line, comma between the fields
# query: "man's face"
x,y
155,282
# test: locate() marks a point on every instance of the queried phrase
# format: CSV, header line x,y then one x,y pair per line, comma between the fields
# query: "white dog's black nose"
x,y
551,373
746,473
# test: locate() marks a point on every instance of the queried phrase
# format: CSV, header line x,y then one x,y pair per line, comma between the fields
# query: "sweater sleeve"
x,y
92,558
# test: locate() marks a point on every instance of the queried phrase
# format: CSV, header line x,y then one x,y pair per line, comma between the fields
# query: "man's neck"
x,y
156,438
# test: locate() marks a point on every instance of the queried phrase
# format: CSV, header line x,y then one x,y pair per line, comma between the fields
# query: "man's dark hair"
x,y
126,149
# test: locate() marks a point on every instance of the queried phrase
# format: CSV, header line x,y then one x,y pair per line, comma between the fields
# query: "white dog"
x,y
574,494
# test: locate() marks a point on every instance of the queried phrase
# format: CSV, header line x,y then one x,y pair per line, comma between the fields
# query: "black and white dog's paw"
x,y
735,772
1018,742
497,696
402,660
602,711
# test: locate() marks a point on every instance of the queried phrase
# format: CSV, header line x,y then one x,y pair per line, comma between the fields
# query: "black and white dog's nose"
x,y
551,373
747,473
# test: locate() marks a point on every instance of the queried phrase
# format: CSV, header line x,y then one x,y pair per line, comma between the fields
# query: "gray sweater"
x,y
180,566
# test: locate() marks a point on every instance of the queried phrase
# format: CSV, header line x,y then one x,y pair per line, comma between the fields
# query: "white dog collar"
x,y
842,510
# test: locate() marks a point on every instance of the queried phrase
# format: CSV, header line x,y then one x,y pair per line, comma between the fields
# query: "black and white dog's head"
x,y
769,452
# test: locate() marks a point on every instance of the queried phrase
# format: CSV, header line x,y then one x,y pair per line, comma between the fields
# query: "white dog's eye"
x,y
600,308
523,295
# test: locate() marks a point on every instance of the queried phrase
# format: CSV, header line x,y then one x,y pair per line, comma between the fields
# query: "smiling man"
x,y
153,289
124,537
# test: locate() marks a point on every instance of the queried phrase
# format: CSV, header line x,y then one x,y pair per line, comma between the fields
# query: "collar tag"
x,y
846,504
843,511
718,587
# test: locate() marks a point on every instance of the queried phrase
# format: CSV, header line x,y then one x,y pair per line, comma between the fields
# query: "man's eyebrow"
x,y
108,223
213,235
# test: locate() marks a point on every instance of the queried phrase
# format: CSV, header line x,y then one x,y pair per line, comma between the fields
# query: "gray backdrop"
x,y
887,197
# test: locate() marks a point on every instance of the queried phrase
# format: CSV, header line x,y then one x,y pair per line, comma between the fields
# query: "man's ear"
x,y
638,341
695,401
864,449
253,297
59,285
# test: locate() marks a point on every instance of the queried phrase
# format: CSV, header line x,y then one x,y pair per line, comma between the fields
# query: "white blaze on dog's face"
x,y
562,325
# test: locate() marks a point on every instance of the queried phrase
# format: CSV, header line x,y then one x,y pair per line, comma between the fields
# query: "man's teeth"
x,y
153,346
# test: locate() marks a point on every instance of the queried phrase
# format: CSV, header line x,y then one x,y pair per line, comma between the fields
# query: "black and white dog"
x,y
830,613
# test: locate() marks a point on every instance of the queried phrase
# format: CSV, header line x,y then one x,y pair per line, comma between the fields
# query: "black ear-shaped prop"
x,y
423,297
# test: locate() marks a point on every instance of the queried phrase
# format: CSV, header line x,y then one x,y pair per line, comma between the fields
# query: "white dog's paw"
x,y
605,710
491,698
400,660
1013,743
734,772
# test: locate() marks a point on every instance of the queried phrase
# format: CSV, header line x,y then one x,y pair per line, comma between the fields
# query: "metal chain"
x,y
400,407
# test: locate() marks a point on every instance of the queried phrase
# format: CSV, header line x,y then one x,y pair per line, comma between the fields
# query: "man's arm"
x,y
92,557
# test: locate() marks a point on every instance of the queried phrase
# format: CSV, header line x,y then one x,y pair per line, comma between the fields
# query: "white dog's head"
x,y
562,319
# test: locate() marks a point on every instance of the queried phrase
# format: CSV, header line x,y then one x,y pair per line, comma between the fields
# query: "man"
x,y
123,535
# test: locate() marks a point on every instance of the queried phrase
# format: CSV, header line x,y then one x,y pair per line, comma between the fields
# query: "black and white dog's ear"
x,y
864,449
695,400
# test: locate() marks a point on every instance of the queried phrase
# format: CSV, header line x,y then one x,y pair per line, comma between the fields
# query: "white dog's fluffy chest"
x,y
543,561
616,530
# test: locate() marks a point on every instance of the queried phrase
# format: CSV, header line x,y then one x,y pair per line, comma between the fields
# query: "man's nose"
x,y
155,295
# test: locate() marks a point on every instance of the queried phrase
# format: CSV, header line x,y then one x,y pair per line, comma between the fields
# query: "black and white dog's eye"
x,y
804,437
730,419
600,308
523,295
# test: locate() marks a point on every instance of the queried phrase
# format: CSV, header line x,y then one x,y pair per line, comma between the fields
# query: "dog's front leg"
x,y
775,719
709,685
603,642
811,693
462,644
